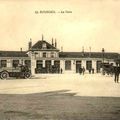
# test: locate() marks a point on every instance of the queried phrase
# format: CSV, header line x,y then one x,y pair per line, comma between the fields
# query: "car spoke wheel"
x,y
27,75
4,75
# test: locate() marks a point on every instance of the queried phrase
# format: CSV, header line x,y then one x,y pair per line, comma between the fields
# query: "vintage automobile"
x,y
20,71
108,69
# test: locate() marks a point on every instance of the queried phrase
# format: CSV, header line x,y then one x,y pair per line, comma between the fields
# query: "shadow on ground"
x,y
58,105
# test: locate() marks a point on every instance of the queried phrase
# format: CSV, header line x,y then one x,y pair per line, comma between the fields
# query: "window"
x,y
39,64
88,65
15,63
57,63
52,54
3,63
44,46
68,65
44,54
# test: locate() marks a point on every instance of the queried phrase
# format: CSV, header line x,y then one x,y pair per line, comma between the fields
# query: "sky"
x,y
91,24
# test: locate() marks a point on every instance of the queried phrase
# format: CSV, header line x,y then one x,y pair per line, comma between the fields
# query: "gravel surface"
x,y
60,97
58,105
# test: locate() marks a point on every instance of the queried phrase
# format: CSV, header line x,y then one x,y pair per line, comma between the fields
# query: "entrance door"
x,y
56,67
98,66
78,65
39,64
48,66
89,65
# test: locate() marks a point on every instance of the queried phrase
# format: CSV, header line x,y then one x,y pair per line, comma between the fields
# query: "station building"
x,y
43,57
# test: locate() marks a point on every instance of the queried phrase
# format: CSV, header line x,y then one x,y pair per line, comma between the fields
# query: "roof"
x,y
39,46
13,54
88,54
64,54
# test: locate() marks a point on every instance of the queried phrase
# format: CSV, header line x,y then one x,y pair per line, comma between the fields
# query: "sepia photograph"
x,y
60,60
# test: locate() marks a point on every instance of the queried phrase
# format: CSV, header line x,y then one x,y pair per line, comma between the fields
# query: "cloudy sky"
x,y
92,23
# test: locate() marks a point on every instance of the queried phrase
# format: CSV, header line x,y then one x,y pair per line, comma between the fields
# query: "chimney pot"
x,y
52,42
55,43
21,49
30,44
62,49
42,37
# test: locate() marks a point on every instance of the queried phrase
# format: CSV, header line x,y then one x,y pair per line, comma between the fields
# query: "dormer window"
x,y
44,45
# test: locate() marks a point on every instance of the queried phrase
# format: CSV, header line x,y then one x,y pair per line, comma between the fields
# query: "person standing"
x,y
61,70
92,70
80,70
116,72
83,70
89,70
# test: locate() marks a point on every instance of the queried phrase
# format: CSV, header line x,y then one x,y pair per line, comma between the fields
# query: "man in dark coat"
x,y
80,70
117,72
83,70
61,70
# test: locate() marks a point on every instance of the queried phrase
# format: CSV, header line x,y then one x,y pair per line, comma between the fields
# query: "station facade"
x,y
43,57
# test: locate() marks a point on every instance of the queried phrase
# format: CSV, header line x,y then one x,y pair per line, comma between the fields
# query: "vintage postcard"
x,y
59,60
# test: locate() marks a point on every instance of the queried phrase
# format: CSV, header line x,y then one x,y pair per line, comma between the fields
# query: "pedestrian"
x,y
61,70
83,70
80,70
92,70
116,72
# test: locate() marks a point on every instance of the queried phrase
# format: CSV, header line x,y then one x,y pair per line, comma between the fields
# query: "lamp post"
x,y
103,51
32,63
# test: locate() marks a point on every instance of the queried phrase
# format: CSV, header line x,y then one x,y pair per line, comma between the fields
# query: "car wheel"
x,y
27,75
4,75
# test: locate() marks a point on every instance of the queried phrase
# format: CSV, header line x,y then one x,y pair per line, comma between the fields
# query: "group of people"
x,y
109,69
91,70
115,71
82,70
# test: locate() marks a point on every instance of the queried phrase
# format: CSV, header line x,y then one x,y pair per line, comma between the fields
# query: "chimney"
x,y
83,49
52,42
42,37
90,52
55,43
30,44
21,49
61,48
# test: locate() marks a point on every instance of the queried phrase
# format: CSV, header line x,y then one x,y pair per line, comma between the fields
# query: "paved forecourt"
x,y
82,85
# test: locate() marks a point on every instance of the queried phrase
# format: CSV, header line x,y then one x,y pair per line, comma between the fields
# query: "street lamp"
x,y
103,52
33,57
